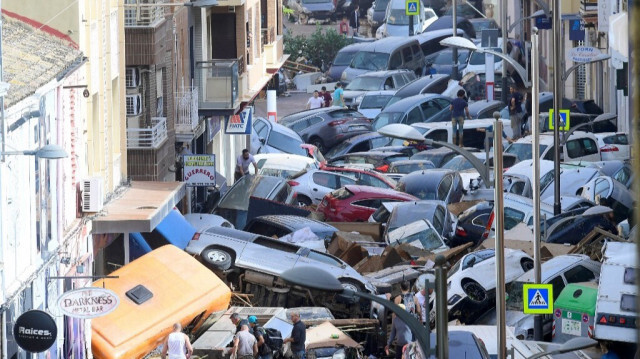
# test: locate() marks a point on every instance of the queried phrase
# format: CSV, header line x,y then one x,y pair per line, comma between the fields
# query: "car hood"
x,y
322,6
351,73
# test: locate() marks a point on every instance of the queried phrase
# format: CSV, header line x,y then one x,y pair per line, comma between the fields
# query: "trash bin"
x,y
574,312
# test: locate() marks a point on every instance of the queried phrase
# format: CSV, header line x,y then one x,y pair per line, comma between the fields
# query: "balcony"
x,y
187,103
147,138
274,50
143,13
217,83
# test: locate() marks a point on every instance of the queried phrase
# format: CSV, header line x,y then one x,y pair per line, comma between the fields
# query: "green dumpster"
x,y
574,312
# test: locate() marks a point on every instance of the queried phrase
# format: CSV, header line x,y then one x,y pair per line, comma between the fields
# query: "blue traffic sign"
x,y
412,7
538,298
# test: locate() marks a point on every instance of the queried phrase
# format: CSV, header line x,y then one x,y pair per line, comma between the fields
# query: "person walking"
x,y
459,107
515,112
326,97
401,333
354,20
298,336
245,345
177,344
344,27
314,101
409,300
242,168
338,96
264,352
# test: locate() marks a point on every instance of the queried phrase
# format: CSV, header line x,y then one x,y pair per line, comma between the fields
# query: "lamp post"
x,y
557,102
599,58
571,345
47,152
319,279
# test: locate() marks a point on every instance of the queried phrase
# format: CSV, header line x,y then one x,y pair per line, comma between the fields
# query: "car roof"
x,y
416,86
478,106
282,129
295,222
431,174
409,162
434,33
408,103
354,47
383,73
554,266
388,44
425,208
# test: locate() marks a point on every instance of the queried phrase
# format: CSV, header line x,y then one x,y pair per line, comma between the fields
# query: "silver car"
x,y
224,248
312,185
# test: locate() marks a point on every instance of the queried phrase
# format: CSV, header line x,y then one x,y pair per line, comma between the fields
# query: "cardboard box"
x,y
371,229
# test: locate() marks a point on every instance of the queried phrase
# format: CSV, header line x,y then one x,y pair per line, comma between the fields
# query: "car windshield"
x,y
374,101
365,83
257,186
445,57
285,143
418,234
400,17
410,167
522,150
386,118
343,58
477,58
515,296
458,163
381,5
372,61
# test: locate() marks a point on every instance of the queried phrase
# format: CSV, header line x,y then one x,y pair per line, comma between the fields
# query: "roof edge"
x,y
40,26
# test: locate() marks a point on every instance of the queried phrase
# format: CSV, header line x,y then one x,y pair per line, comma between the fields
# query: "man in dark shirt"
x,y
298,336
459,107
235,319
326,96
515,112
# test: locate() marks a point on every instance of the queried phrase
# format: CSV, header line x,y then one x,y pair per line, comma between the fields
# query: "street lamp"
x,y
569,346
319,279
533,16
47,152
462,43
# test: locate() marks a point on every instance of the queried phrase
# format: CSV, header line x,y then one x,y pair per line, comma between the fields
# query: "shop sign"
x,y
239,124
584,54
35,331
87,303
199,170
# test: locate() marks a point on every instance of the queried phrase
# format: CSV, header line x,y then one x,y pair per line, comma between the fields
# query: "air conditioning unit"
x,y
92,194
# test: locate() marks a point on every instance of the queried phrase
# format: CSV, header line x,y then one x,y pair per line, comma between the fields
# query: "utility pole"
x,y
557,102
498,209
505,38
454,52
535,129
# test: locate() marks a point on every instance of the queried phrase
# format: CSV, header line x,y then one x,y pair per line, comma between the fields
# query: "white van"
x,y
472,137
616,312
581,146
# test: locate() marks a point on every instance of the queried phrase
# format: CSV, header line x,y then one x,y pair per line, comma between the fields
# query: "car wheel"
x,y
526,264
474,291
217,257
304,201
318,143
351,285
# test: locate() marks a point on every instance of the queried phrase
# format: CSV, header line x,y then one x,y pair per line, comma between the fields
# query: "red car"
x,y
357,203
363,176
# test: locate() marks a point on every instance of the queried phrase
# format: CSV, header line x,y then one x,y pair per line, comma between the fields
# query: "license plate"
x,y
571,327
358,128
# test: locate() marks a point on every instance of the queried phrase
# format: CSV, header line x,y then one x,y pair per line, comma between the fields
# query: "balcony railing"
x,y
187,100
268,35
143,13
217,83
148,138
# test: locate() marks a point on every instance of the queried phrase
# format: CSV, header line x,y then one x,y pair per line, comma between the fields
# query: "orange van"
x,y
156,290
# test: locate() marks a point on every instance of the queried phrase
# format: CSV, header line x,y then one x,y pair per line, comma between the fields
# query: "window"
x,y
429,109
261,128
395,62
325,180
326,259
439,135
370,203
512,217
406,53
379,142
617,139
388,84
300,125
399,80
443,103
481,220
438,219
134,105
132,77
444,187
314,120
275,244
549,155
558,285
628,303
285,143
414,116
581,147
267,229
623,176
360,147
630,276
579,274
416,50
369,180
601,188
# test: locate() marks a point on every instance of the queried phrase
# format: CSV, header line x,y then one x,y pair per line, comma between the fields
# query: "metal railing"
x,y
148,138
142,13
217,83
187,101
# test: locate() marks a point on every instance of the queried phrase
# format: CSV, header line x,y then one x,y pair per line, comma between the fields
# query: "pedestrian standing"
x,y
264,352
354,21
401,333
408,300
338,96
298,336
242,166
177,344
459,107
423,297
315,101
326,97
344,27
245,345
515,112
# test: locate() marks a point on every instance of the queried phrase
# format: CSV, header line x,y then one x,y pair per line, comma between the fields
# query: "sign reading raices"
x,y
199,170
35,331
87,303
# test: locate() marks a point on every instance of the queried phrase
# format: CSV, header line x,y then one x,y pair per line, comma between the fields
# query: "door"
x,y
223,42
325,182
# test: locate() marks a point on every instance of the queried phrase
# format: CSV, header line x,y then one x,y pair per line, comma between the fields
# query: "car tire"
x,y
474,291
316,141
351,285
526,264
217,257
304,201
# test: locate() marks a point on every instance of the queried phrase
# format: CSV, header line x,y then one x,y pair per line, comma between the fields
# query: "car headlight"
x,y
358,99
343,77
454,299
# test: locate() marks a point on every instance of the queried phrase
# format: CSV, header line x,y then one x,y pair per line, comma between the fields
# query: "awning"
x,y
140,208
173,229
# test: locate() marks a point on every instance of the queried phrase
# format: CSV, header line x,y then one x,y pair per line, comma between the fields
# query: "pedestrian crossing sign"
x,y
537,298
412,7
564,120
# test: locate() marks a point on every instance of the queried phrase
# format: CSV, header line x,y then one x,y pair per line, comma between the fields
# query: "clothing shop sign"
x,y
35,331
87,303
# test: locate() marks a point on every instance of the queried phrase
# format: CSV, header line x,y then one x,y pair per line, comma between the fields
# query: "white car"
x,y
420,234
471,282
613,145
271,137
282,165
373,101
476,62
312,185
580,146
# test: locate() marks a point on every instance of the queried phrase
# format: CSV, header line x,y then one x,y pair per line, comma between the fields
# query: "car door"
x,y
444,188
398,80
414,116
268,255
300,126
325,182
260,130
